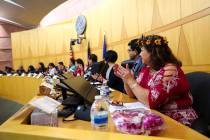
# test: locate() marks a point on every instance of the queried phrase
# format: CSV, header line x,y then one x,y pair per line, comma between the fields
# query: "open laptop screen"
x,y
82,87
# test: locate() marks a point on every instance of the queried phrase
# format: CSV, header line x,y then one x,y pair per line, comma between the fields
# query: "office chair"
x,y
200,90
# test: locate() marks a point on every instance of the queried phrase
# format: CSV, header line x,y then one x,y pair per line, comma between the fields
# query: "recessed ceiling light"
x,y
13,3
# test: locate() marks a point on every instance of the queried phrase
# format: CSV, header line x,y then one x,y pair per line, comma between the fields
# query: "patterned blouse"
x,y
172,96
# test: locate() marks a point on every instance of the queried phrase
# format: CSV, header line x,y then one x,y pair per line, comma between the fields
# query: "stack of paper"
x,y
128,106
45,104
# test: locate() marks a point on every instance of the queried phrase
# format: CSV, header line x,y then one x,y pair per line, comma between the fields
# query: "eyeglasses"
x,y
130,50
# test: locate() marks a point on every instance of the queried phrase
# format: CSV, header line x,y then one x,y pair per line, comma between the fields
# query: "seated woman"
x,y
72,68
51,69
31,69
161,84
79,68
41,68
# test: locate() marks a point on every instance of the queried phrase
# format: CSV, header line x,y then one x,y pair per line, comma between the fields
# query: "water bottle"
x,y
99,114
104,92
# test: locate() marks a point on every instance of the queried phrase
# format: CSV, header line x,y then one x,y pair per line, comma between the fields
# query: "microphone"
x,y
102,66
83,111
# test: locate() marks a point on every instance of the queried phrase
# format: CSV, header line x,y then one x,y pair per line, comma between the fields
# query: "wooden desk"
x,y
19,89
16,128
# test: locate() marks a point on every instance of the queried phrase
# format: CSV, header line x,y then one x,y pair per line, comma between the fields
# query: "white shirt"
x,y
52,71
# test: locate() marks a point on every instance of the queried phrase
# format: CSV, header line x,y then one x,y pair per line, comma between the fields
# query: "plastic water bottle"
x,y
104,92
99,114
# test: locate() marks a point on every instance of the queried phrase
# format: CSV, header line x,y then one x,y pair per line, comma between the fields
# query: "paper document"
x,y
95,83
45,104
128,106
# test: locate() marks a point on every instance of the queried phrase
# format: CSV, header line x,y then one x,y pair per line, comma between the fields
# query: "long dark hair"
x,y
80,61
42,66
160,53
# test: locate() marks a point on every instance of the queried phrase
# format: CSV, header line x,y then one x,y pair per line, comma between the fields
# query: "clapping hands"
x,y
124,73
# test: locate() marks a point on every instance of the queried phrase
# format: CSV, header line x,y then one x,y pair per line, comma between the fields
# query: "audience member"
x,y
91,61
20,70
61,68
51,69
80,68
41,68
72,67
134,51
109,77
31,69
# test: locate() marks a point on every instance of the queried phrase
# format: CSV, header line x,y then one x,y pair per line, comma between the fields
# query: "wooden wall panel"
x,y
5,43
145,12
169,10
189,7
30,61
3,31
172,36
183,22
17,63
197,36
5,63
120,51
33,44
16,52
130,20
5,55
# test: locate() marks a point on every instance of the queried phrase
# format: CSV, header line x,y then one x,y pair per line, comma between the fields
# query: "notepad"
x,y
45,104
128,106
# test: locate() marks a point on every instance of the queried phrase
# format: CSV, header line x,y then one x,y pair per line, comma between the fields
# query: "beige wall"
x,y
186,24
5,44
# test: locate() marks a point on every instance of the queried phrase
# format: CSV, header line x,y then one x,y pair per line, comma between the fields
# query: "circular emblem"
x,y
81,24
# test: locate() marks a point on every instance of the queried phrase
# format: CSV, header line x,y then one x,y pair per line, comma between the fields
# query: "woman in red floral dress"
x,y
161,84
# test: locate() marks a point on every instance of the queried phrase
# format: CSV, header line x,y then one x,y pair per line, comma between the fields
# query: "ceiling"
x,y
26,13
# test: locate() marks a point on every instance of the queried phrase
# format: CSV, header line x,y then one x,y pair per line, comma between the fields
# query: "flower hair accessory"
x,y
154,40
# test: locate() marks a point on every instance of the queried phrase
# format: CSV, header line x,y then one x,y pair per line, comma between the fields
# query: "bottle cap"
x,y
98,97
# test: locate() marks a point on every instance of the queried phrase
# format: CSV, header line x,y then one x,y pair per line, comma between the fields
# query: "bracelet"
x,y
133,85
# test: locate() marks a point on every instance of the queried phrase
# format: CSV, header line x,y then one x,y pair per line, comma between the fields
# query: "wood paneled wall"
x,y
185,23
5,44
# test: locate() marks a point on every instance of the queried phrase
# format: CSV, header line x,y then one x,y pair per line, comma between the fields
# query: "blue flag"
x,y
104,47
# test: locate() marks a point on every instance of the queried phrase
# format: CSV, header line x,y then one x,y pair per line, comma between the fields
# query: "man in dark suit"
x,y
107,72
92,65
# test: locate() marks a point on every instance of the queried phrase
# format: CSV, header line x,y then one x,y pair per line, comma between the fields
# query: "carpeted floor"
x,y
7,109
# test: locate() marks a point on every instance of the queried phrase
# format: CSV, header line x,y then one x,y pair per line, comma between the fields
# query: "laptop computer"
x,y
82,87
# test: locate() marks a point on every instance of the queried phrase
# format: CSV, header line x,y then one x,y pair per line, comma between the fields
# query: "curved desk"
x,y
17,128
19,89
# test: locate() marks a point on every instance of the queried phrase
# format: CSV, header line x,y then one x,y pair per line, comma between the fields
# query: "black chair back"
x,y
200,89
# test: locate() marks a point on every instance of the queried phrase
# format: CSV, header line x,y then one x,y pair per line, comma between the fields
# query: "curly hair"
x,y
160,53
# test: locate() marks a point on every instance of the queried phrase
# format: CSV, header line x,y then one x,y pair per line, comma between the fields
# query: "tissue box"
x,y
39,117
